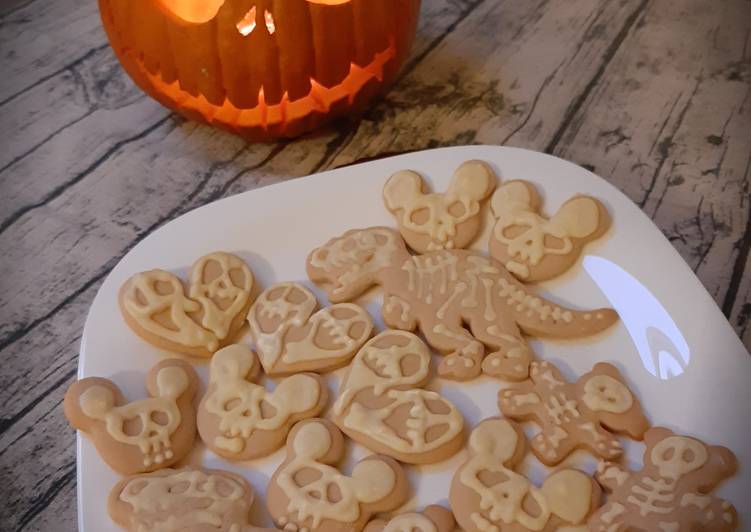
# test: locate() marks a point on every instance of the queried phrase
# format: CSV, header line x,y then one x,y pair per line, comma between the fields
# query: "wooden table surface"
x,y
653,95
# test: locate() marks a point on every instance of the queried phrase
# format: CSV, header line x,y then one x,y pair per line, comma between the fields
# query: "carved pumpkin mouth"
x,y
320,99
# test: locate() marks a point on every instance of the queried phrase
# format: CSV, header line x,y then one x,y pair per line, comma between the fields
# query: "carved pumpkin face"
x,y
261,68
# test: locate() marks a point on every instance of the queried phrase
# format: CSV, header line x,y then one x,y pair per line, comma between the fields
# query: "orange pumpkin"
x,y
262,68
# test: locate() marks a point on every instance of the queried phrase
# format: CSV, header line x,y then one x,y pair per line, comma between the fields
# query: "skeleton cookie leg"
x,y
512,355
397,313
465,353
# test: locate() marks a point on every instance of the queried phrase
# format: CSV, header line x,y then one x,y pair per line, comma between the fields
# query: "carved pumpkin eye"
x,y
269,19
247,24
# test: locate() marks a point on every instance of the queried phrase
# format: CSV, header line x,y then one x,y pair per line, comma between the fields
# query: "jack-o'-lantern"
x,y
262,68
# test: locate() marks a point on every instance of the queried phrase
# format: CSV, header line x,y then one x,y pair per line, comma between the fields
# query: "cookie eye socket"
x,y
457,209
552,242
513,231
420,216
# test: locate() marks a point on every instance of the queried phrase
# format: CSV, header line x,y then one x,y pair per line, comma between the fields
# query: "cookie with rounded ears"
x,y
308,493
433,519
143,435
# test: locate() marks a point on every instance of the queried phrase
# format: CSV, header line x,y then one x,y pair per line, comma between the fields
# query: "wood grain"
x,y
652,95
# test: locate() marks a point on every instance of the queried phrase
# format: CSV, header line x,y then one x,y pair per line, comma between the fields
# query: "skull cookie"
x,y
574,415
290,337
671,492
535,248
154,304
487,495
433,519
144,435
435,221
239,419
382,404
183,499
306,493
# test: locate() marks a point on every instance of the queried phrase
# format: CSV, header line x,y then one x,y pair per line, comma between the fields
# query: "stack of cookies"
x,y
475,310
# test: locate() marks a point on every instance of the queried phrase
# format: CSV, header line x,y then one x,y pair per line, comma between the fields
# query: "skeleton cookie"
x,y
155,305
535,248
290,337
671,492
439,221
575,415
382,404
433,519
308,494
487,495
144,435
190,500
441,292
241,420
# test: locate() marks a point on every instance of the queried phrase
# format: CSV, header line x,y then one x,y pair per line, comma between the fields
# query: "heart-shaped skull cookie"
x,y
382,404
155,305
291,337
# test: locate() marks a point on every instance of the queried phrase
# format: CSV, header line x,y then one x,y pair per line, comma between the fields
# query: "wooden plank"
x,y
41,39
670,125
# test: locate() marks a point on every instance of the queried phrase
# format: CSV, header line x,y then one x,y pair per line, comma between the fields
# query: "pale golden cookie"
x,y
433,519
382,404
535,248
575,415
488,495
671,492
291,337
143,435
155,305
239,419
461,300
187,499
307,493
435,221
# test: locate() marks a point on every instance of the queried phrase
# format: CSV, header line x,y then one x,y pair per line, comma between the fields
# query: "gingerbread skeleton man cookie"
x,y
156,306
433,519
143,435
307,493
239,419
382,404
291,337
576,415
439,221
187,499
535,248
671,493
461,300
487,495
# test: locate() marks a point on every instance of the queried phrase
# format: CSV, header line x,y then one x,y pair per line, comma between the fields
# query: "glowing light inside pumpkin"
x,y
269,18
247,24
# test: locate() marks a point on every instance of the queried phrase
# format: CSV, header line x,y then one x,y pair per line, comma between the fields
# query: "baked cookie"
x,y
439,221
671,492
291,338
487,495
441,292
155,305
144,435
535,248
306,493
433,519
382,404
187,499
576,415
239,419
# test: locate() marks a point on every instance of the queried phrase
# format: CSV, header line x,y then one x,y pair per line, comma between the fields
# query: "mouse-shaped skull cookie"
x,y
143,435
433,519
488,495
157,308
382,404
461,300
307,493
291,337
439,221
187,499
239,419
671,493
535,248
576,415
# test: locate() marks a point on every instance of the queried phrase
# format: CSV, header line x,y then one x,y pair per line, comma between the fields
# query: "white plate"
x,y
698,381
